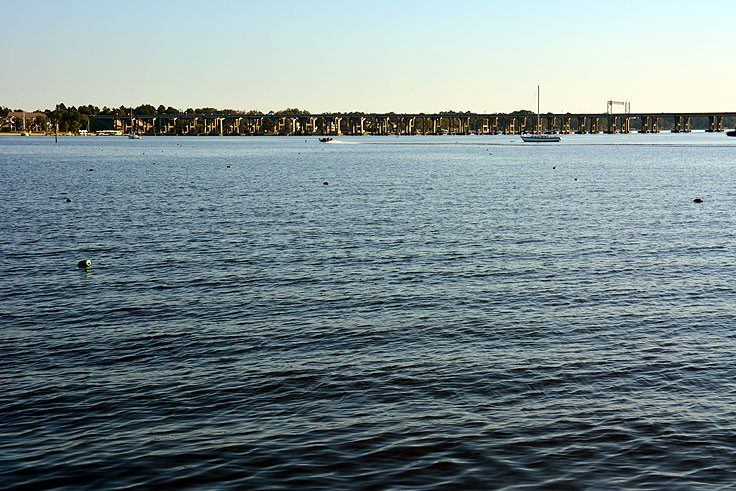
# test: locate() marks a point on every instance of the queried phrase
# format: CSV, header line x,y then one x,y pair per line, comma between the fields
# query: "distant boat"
x,y
132,135
24,132
326,139
539,137
731,133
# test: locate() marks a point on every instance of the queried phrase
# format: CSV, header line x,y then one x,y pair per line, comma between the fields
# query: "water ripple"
x,y
431,320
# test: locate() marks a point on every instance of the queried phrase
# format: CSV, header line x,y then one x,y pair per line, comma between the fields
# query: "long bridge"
x,y
405,124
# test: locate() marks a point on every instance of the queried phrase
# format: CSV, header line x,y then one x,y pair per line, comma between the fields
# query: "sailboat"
x,y
132,135
25,131
540,137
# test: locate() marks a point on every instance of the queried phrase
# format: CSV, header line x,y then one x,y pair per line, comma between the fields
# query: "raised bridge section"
x,y
406,124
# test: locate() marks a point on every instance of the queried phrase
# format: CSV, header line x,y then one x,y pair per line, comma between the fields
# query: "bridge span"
x,y
406,124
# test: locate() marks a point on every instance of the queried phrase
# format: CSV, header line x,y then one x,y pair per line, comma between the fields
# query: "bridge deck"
x,y
415,115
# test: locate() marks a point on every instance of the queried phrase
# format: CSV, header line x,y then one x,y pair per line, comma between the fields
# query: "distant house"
x,y
14,120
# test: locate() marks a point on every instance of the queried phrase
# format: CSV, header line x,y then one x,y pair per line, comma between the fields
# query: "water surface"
x,y
472,315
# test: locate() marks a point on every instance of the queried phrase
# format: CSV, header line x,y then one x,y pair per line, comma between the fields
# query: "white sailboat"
x,y
540,137
25,131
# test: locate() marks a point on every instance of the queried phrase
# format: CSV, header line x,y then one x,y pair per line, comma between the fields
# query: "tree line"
x,y
72,119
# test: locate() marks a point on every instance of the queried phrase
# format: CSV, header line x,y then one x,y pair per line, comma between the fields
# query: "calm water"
x,y
474,316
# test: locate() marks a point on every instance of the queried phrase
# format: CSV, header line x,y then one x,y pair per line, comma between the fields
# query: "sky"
x,y
378,56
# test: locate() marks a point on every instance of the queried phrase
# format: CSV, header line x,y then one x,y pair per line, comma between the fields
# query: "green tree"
x,y
41,123
89,110
145,110
292,110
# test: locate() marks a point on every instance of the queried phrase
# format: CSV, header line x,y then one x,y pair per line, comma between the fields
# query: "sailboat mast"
x,y
539,128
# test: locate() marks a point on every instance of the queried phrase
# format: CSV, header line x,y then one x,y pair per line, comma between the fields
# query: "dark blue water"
x,y
476,316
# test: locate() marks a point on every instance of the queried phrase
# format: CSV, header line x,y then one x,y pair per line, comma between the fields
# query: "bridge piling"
x,y
403,124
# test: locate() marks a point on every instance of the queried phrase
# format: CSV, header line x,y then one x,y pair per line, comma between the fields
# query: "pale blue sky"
x,y
378,56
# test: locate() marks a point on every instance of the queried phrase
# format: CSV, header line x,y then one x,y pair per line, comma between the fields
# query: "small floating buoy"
x,y
698,200
326,183
68,200
228,166
576,178
554,166
84,263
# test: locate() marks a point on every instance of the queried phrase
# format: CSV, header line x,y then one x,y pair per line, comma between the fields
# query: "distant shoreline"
x,y
14,133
